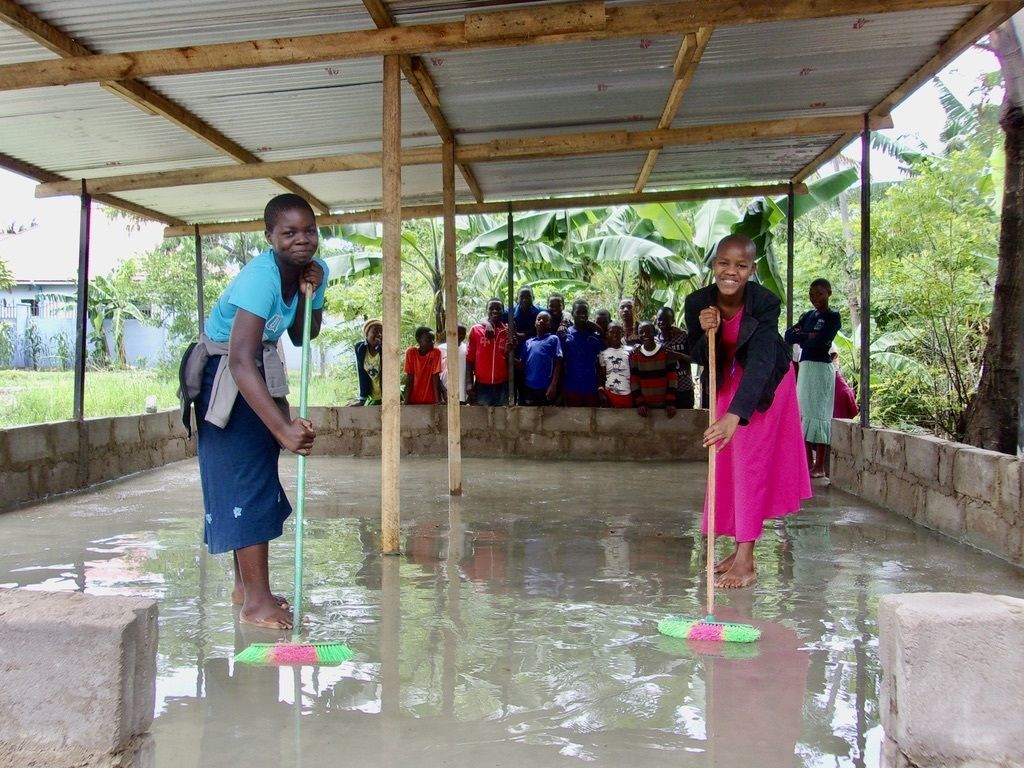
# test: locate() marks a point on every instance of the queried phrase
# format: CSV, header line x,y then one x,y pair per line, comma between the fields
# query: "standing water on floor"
x,y
518,627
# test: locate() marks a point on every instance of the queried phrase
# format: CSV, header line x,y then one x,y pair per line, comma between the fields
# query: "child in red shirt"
x,y
423,370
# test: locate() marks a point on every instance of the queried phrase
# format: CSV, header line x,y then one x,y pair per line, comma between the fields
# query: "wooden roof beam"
x,y
418,77
36,173
685,67
529,26
522,148
983,22
535,204
139,94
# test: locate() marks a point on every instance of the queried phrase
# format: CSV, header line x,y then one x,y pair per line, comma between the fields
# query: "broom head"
x,y
708,630
283,654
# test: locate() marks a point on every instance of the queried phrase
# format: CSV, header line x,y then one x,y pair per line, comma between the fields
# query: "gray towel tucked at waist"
x,y
225,390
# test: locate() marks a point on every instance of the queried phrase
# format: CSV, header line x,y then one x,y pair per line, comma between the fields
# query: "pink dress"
x,y
762,472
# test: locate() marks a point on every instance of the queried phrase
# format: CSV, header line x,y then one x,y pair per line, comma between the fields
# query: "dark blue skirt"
x,y
242,494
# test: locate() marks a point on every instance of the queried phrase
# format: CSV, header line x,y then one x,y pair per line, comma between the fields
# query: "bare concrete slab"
x,y
517,628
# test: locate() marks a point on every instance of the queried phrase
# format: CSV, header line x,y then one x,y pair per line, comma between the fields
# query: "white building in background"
x,y
38,314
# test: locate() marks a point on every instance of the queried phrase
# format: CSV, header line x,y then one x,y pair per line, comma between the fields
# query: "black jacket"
x,y
365,385
759,348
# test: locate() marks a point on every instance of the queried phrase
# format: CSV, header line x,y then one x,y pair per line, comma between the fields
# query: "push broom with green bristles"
x,y
707,628
297,651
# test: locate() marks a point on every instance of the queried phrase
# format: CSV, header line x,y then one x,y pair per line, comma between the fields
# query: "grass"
x,y
35,397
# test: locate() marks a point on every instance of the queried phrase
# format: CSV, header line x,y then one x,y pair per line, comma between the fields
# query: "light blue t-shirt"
x,y
257,289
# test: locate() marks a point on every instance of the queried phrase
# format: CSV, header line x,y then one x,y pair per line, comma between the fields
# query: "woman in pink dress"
x,y
761,469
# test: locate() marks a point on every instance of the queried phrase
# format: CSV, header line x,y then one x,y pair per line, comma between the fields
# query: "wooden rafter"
x,y
530,26
987,19
140,94
685,67
516,206
522,148
36,173
418,77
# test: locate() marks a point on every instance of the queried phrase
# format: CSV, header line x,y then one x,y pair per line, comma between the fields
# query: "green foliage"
x,y
936,238
6,276
7,344
34,397
63,350
33,346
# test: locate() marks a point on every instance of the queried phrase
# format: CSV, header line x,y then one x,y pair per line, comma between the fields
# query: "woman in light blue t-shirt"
x,y
244,502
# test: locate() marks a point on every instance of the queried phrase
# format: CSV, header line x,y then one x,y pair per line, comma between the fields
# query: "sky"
x,y
920,116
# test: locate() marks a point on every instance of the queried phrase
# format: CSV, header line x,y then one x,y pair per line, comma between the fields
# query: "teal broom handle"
x,y
300,488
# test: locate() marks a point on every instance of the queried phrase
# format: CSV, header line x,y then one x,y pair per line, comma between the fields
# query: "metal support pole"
x,y
391,367
82,306
200,308
451,320
790,234
865,275
511,298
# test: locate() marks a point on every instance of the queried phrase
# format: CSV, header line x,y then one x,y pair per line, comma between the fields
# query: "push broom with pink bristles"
x,y
298,651
707,628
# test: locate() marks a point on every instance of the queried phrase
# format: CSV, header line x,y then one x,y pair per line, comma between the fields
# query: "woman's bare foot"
x,y
724,565
267,614
737,577
741,572
238,598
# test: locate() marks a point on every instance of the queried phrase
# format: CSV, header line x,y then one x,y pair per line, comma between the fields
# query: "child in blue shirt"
x,y
581,346
242,416
542,361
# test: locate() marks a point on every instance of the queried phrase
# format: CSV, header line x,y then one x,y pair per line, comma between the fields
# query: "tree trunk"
x,y
993,414
851,273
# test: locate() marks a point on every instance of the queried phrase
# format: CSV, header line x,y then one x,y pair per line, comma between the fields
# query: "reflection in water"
x,y
518,627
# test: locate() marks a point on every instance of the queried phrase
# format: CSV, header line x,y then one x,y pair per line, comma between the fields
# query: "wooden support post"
x,y
451,321
82,305
511,298
865,275
391,367
790,233
200,303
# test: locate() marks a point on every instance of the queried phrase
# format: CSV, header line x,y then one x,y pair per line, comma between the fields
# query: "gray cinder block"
x,y
952,679
78,671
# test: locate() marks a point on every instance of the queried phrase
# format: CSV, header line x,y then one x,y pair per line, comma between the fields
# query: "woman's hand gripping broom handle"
x,y
712,463
300,486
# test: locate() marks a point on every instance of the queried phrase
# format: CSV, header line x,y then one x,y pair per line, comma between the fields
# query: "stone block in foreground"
x,y
952,689
78,671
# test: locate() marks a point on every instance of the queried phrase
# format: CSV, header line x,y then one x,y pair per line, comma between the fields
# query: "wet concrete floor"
x,y
517,627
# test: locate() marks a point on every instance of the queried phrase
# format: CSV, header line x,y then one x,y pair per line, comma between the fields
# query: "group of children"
x,y
235,383
552,358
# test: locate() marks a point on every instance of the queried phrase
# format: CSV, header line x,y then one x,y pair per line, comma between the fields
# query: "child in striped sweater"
x,y
652,376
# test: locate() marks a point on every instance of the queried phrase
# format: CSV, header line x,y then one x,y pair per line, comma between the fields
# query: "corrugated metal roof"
x,y
83,130
110,26
779,70
260,108
560,176
209,202
735,162
811,68
584,86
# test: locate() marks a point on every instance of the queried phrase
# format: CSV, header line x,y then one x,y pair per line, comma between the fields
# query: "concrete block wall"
x,y
587,433
79,677
46,459
967,493
952,688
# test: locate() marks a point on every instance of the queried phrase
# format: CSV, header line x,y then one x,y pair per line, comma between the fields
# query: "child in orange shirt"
x,y
423,370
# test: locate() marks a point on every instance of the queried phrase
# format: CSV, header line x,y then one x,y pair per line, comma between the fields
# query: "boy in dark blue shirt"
x,y
581,346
